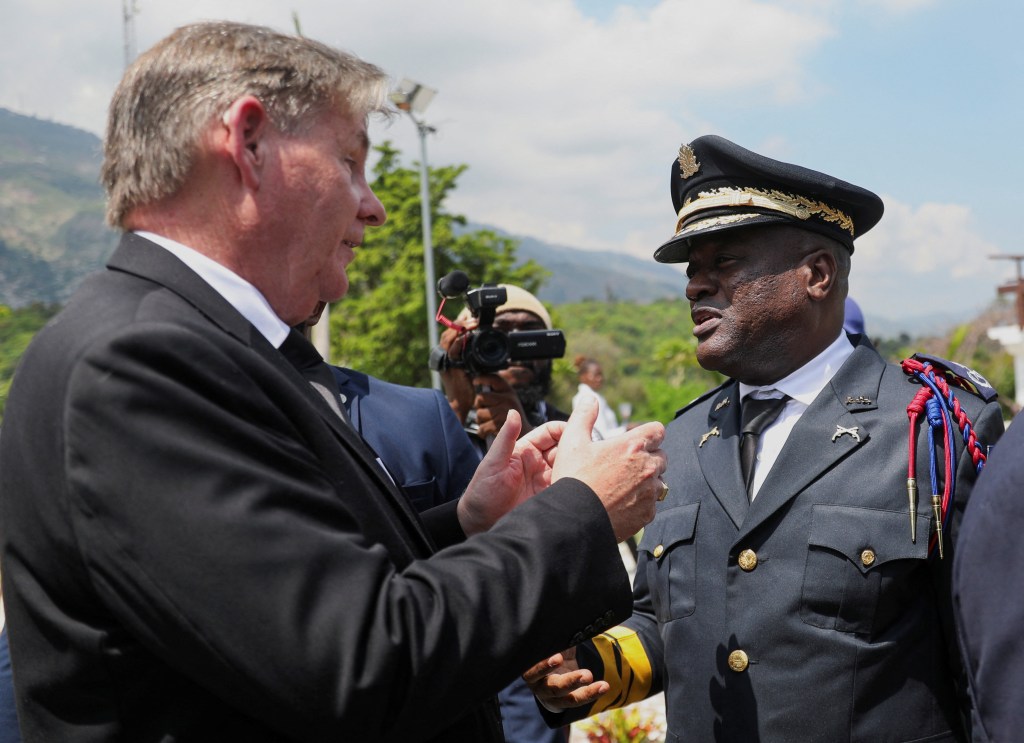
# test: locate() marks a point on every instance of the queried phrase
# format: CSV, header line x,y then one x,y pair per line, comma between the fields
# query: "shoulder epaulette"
x,y
942,415
959,375
710,393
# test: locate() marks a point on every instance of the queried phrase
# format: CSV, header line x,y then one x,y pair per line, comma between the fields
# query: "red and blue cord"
x,y
936,400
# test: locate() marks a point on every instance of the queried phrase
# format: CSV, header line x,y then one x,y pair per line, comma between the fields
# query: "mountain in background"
x,y
52,234
578,274
52,231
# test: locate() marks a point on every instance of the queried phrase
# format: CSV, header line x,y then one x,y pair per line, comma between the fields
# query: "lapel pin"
x,y
724,403
713,432
859,400
852,432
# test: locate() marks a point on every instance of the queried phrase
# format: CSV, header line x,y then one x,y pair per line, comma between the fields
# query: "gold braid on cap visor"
x,y
777,201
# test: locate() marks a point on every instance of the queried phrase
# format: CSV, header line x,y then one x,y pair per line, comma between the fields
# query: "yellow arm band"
x,y
626,668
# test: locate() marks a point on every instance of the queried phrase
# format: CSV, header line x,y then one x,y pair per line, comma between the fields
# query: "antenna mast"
x,y
129,10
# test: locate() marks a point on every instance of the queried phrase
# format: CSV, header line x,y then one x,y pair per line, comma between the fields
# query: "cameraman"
x,y
482,402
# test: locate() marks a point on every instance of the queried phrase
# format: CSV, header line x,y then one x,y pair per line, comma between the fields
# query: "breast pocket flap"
x,y
868,537
669,528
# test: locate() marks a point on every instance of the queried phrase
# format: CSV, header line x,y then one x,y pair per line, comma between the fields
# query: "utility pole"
x,y
1014,287
129,10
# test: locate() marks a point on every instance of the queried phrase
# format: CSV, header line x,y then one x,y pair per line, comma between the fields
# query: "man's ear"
x,y
246,124
823,270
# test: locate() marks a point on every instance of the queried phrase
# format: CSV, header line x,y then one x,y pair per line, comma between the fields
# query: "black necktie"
x,y
304,357
756,416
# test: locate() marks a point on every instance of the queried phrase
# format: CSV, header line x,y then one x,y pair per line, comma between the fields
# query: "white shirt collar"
x,y
238,292
810,379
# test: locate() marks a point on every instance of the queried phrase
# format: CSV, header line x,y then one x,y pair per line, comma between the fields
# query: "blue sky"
x,y
569,113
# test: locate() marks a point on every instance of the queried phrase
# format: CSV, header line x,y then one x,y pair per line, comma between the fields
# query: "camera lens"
x,y
489,349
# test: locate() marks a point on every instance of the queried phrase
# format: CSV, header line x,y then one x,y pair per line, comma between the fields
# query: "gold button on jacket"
x,y
738,661
747,560
867,557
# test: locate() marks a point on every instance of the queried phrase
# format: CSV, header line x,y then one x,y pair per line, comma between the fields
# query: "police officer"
x,y
785,590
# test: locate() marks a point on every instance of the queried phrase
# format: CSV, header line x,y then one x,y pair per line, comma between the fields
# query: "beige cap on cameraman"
x,y
517,300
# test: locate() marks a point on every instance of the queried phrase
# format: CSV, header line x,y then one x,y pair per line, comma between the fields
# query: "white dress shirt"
x,y
238,292
802,386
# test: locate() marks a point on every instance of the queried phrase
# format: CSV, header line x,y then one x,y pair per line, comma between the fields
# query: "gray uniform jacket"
x,y
808,615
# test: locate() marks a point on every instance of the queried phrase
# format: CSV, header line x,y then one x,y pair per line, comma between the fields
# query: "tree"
x,y
647,352
17,328
380,326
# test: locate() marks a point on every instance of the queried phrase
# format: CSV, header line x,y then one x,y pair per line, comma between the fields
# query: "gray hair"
x,y
172,92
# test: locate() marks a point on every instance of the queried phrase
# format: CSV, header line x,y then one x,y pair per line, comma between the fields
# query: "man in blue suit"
x,y
414,432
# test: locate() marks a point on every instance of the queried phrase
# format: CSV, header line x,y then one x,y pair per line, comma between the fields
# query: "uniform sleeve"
x,y
629,657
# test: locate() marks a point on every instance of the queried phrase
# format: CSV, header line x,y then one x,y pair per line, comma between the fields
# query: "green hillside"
x,y
51,210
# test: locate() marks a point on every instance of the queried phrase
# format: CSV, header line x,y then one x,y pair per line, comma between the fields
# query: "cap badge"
x,y
704,439
688,164
852,432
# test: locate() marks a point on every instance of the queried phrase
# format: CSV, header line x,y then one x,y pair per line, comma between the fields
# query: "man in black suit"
x,y
196,544
786,591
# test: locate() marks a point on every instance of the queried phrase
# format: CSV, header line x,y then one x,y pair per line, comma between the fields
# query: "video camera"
x,y
485,349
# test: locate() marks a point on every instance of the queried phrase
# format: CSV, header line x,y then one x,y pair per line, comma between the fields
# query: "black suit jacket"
x,y
195,548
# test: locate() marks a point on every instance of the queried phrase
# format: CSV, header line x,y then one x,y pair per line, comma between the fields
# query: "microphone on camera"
x,y
453,285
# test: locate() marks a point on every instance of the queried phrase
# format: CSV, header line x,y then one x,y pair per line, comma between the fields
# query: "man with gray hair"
x,y
196,544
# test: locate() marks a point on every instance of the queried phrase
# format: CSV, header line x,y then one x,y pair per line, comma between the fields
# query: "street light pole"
x,y
410,97
428,247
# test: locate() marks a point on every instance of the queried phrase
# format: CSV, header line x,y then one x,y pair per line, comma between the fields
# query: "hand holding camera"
x,y
492,352
481,348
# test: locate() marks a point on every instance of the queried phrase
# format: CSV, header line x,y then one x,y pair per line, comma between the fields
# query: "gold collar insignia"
x,y
704,439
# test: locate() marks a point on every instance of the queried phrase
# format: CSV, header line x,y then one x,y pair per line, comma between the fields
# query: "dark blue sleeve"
x,y
462,456
986,584
8,714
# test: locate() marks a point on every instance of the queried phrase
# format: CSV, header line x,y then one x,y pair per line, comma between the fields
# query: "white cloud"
x,y
923,259
894,7
569,124
918,240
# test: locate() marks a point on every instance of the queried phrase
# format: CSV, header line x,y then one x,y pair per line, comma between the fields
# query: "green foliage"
x,y
647,353
381,325
966,344
957,339
17,328
51,210
894,349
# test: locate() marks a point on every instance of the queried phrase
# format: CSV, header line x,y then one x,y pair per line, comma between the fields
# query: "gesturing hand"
x,y
511,472
624,471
